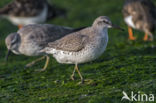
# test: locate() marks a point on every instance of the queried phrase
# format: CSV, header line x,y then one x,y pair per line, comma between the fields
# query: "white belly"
x,y
77,57
30,20
129,21
88,54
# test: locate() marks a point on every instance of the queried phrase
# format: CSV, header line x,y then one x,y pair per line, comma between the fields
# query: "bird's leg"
x,y
46,64
130,31
146,37
20,26
34,62
151,37
76,67
72,76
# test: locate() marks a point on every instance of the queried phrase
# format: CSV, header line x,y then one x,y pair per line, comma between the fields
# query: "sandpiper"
x,y
32,38
141,15
81,46
24,12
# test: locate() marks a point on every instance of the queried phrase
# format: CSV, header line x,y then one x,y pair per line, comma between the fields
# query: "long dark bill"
x,y
117,27
7,55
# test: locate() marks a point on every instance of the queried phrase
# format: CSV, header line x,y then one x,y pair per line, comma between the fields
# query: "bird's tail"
x,y
47,50
1,13
54,11
4,11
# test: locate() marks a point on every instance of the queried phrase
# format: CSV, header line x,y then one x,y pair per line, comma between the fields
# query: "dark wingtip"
x,y
78,29
56,12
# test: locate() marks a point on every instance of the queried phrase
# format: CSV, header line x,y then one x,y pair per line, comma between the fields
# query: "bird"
x,y
82,46
32,38
24,12
140,15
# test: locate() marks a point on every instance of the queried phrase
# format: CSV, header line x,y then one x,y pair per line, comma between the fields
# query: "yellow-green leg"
x,y
37,60
34,62
77,69
46,64
72,76
89,81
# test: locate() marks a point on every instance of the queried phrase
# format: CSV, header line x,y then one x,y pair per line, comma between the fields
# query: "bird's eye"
x,y
105,21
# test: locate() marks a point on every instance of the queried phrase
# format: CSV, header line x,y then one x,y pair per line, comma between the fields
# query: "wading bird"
x,y
140,15
82,46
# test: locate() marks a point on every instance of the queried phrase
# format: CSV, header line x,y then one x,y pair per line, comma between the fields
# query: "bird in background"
x,y
24,12
32,38
82,46
140,15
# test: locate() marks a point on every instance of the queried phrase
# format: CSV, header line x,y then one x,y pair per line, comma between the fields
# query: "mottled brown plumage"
x,y
143,13
23,8
71,43
24,12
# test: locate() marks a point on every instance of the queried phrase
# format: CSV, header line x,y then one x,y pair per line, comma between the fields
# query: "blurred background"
x,y
125,65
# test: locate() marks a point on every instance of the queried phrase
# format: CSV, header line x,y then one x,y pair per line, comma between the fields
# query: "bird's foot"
x,y
147,39
72,77
132,38
40,70
81,82
86,81
150,39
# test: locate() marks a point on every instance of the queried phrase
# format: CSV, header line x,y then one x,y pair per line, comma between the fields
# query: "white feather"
x,y
30,20
129,21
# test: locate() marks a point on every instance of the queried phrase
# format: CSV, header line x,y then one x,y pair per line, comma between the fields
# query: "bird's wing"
x,y
72,43
22,8
42,34
6,9
149,5
54,11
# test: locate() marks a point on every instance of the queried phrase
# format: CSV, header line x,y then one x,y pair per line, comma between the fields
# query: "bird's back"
x,y
37,36
23,8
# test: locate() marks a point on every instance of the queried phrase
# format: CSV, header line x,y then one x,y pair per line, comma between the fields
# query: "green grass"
x,y
125,65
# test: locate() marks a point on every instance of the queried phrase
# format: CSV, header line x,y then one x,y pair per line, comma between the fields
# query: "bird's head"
x,y
104,22
12,43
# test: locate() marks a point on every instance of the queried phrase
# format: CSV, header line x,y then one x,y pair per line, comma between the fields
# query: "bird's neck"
x,y
100,31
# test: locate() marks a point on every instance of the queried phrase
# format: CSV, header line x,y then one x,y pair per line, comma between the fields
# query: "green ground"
x,y
125,65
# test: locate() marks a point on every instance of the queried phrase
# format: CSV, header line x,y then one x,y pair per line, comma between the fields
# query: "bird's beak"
x,y
116,27
6,57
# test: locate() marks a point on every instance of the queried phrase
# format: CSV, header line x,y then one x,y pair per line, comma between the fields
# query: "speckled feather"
x,y
23,8
72,43
33,38
81,46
